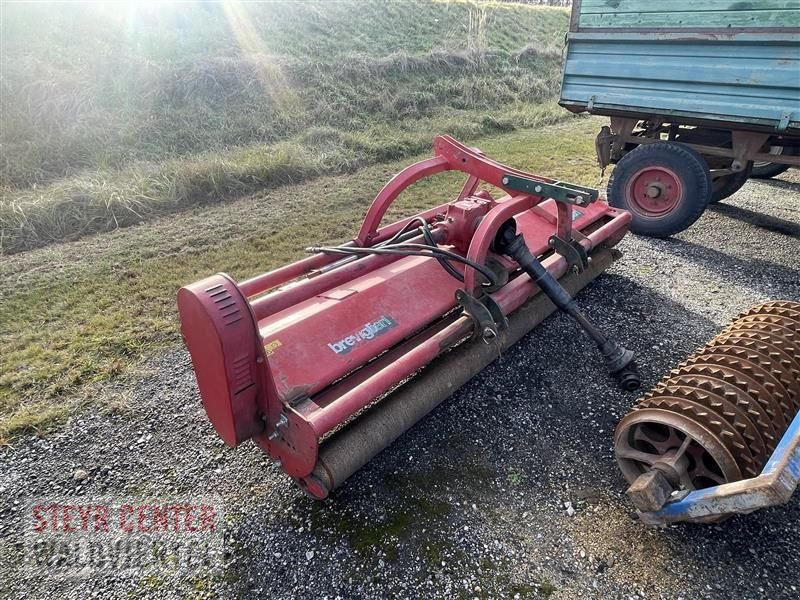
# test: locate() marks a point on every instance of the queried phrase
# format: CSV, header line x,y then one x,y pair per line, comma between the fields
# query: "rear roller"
x,y
720,415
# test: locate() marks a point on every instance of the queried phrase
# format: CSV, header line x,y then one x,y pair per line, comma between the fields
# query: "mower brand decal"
x,y
368,332
576,214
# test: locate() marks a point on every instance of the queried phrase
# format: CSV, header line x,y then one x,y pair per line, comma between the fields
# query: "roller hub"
x,y
663,430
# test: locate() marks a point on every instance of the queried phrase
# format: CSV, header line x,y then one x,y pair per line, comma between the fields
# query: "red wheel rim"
x,y
654,191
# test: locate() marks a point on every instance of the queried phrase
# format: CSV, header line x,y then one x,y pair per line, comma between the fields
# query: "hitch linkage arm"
x,y
619,360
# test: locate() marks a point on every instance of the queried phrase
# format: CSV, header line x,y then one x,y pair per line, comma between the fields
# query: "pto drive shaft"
x,y
619,360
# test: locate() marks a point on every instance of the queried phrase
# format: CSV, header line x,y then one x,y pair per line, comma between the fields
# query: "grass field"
x,y
112,116
107,127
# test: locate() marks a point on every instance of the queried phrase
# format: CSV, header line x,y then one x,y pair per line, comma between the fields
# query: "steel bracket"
x,y
560,191
573,251
745,144
485,314
602,146
621,128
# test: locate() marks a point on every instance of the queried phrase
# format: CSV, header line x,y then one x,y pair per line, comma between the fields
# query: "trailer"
x,y
698,94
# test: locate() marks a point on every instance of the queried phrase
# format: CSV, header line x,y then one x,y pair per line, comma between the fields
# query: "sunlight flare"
x,y
267,70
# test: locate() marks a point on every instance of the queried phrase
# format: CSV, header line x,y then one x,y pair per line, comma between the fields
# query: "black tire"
x,y
728,185
686,187
771,169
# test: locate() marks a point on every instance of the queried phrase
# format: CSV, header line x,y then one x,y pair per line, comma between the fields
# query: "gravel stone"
x,y
80,475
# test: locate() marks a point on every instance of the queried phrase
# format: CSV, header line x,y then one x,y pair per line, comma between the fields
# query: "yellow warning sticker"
x,y
270,347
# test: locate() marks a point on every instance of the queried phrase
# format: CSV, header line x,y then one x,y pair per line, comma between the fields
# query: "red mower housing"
x,y
288,358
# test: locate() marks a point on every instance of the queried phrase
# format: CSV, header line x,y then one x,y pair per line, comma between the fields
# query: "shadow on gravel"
x,y
789,186
760,220
748,270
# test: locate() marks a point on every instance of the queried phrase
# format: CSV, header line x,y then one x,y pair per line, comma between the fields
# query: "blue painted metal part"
x,y
775,485
737,78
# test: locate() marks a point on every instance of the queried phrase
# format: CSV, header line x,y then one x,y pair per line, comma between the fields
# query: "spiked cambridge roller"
x,y
721,433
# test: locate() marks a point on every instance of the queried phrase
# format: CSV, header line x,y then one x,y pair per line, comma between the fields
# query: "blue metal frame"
x,y
775,485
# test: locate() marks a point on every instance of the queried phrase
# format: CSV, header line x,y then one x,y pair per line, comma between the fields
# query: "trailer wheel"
x,y
665,185
728,185
767,170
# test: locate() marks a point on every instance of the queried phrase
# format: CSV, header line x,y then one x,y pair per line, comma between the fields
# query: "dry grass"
x,y
105,200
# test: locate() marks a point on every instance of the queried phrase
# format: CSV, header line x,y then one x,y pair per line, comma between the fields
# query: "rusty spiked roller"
x,y
720,415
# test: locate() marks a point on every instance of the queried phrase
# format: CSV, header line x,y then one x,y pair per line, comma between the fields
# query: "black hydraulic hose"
x,y
399,236
408,250
403,235
619,360
397,240
428,236
446,265
396,246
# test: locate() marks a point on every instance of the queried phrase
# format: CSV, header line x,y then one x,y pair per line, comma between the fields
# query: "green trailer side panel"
x,y
597,6
746,79
672,14
723,61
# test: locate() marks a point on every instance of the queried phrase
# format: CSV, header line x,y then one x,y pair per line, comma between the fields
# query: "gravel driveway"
x,y
508,490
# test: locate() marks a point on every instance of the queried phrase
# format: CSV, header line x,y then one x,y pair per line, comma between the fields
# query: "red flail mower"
x,y
326,361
